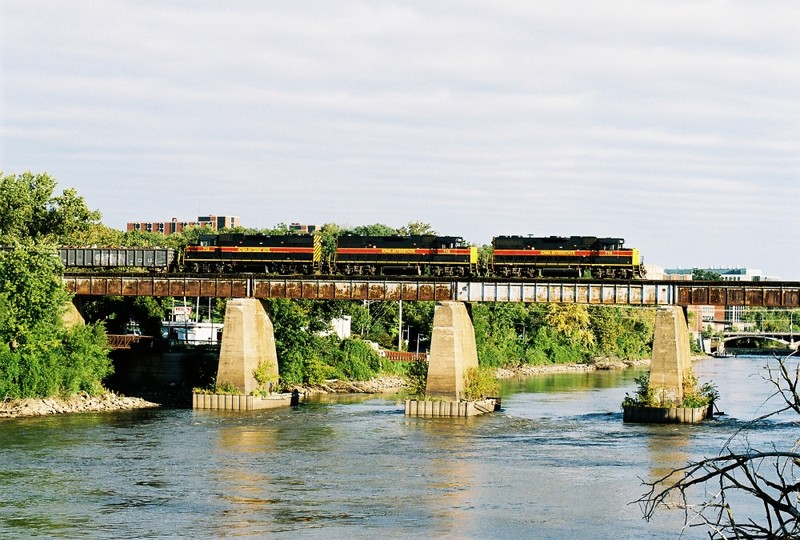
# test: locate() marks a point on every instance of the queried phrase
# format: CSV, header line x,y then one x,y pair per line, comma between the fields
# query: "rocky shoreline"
x,y
600,364
109,401
383,385
377,385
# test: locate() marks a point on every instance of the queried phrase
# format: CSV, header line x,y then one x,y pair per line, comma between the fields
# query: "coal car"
x,y
94,258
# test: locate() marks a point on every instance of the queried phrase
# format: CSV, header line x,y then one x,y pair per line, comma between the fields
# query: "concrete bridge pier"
x,y
73,314
672,363
453,351
247,340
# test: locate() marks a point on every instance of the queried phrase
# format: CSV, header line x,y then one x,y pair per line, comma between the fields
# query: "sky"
x,y
673,124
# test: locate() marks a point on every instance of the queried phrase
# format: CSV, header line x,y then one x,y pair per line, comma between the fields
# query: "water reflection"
x,y
448,470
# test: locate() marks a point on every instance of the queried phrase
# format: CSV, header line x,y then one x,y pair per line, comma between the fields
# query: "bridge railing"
x,y
403,356
124,341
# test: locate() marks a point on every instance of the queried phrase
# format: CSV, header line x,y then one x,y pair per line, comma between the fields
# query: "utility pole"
x,y
400,328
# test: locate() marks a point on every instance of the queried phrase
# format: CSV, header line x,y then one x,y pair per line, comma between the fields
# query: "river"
x,y
556,462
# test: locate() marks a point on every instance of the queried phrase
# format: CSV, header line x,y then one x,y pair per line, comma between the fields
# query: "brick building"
x,y
174,226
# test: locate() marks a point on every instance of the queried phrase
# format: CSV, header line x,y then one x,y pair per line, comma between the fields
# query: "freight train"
x,y
302,254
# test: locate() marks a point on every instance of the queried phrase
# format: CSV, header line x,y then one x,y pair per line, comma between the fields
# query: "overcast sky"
x,y
673,124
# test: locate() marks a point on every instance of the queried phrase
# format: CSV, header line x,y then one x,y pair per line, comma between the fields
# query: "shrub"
x,y
418,378
480,383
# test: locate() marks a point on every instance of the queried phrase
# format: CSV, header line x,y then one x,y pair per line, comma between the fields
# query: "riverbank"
x,y
599,364
78,403
377,385
393,384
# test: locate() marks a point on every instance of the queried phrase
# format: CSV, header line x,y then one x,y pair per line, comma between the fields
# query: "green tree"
x,y
376,229
29,211
622,332
39,357
416,228
698,274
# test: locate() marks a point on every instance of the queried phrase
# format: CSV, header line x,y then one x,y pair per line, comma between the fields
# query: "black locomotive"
x,y
527,256
417,254
281,254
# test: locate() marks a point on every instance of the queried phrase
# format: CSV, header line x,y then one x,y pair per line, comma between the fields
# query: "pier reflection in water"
x,y
557,462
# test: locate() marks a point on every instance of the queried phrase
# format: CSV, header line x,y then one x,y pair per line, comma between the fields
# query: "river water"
x,y
556,462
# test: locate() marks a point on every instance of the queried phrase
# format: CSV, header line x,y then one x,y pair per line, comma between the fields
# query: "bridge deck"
x,y
606,292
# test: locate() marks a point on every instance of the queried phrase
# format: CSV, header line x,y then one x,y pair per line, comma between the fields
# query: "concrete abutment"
x,y
73,314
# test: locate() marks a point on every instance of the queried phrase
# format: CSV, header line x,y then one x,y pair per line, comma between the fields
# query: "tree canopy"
x,y
39,356
698,274
30,211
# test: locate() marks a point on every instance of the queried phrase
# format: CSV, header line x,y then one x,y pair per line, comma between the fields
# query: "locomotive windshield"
x,y
207,240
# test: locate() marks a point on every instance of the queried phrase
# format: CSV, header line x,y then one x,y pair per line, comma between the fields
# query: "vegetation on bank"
x,y
39,355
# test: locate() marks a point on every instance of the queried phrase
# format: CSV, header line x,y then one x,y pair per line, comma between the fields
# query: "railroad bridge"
x,y
605,292
248,339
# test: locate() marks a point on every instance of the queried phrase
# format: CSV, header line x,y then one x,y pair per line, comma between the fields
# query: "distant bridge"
x,y
601,292
790,339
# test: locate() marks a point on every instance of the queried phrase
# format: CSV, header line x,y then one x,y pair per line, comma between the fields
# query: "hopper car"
x,y
151,259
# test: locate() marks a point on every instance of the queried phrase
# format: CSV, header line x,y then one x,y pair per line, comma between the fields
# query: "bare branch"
x,y
771,477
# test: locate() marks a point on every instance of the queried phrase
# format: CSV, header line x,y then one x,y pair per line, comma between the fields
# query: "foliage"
x,y
710,490
699,274
264,376
30,212
625,333
225,387
480,383
418,378
644,397
416,228
358,360
771,320
305,356
694,394
517,334
39,357
698,395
